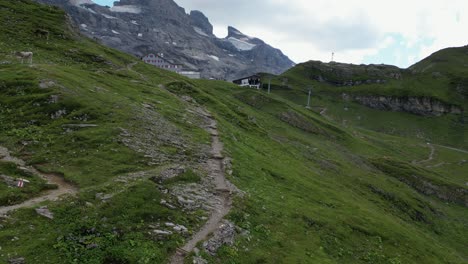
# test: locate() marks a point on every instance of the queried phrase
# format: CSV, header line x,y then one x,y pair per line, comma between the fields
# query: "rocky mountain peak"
x,y
140,27
234,32
201,21
81,2
165,8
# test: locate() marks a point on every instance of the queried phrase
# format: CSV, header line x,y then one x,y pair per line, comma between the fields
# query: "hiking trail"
x,y
215,169
63,187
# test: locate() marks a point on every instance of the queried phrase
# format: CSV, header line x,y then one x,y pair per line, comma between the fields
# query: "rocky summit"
x,y
161,26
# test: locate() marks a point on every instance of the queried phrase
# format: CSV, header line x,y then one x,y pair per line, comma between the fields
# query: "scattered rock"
x,y
188,99
180,229
19,260
103,197
195,196
199,260
168,205
148,106
44,211
225,235
44,84
59,114
227,165
10,181
53,99
80,125
149,132
161,234
92,246
186,202
169,173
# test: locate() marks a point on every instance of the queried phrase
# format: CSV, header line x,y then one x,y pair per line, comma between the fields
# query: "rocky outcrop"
x,y
140,27
425,106
422,182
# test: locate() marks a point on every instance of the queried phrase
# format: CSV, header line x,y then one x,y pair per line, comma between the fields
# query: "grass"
x,y
187,177
10,195
317,189
444,80
313,190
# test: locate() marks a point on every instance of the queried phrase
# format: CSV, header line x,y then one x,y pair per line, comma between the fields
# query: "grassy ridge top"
x,y
441,76
450,60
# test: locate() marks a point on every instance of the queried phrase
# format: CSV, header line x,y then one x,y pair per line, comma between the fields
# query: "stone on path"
x,y
44,211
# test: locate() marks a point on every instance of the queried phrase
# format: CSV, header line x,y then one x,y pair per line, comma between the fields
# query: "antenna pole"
x,y
308,99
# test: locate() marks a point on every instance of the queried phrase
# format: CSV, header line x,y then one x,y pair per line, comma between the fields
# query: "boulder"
x,y
45,212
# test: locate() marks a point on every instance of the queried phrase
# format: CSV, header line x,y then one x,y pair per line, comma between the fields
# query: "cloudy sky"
x,y
398,32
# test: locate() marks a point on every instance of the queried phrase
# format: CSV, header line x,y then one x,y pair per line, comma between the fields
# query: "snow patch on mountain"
x,y
108,17
200,31
78,3
216,58
133,9
241,44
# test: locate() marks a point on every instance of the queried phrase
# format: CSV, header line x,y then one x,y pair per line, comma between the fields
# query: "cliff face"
x,y
425,106
161,26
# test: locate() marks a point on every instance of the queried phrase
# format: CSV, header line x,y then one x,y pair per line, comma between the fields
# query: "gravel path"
x,y
214,166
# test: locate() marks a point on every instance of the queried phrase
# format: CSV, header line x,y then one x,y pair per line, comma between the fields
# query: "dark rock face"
x,y
140,27
425,106
201,21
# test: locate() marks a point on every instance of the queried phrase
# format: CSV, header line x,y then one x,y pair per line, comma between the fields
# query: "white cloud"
x,y
354,29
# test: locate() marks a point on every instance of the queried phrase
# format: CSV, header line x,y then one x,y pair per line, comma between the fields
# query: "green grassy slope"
x,y
316,191
321,193
450,60
440,76
89,113
447,86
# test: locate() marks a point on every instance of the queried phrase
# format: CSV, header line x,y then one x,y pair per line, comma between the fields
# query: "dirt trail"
x,y
215,169
454,149
431,155
324,111
52,195
130,68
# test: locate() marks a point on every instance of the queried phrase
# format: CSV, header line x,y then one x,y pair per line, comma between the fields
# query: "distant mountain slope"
x,y
141,27
435,86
